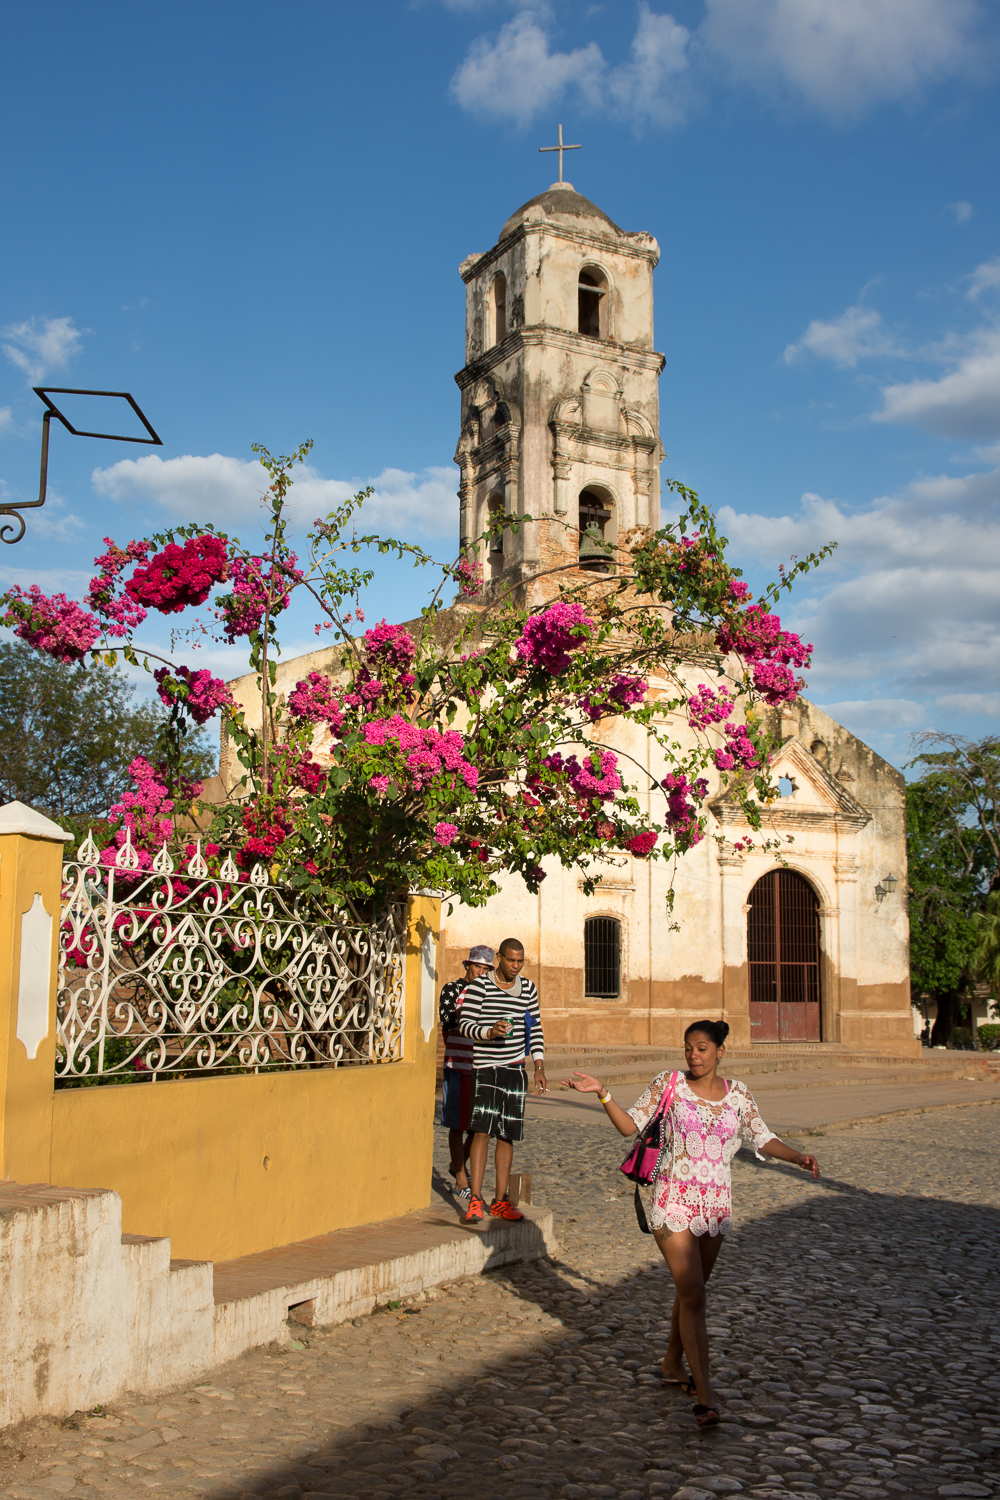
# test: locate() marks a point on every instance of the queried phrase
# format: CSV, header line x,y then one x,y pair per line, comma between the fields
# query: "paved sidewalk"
x,y
853,1345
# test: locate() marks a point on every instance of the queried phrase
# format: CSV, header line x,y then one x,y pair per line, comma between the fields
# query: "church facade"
x,y
560,423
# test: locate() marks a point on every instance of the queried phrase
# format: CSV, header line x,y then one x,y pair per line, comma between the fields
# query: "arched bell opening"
x,y
598,530
495,511
498,309
593,308
783,953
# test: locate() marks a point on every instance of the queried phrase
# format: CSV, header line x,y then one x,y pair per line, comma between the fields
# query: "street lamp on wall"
x,y
885,887
45,393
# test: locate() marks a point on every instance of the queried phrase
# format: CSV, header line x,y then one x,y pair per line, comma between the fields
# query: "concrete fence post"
x,y
31,851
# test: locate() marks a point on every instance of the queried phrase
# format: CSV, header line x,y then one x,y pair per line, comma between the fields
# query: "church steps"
x,y
804,1066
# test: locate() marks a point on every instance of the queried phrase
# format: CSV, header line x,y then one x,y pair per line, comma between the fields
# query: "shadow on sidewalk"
x,y
829,1317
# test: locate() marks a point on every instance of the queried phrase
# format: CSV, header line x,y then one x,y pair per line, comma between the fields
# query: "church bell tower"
x,y
560,407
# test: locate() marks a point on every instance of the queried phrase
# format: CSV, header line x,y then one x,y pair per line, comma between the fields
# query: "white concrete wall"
x,y
87,1313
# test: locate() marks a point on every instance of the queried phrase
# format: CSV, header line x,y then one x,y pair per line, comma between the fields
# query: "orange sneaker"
x,y
502,1208
474,1213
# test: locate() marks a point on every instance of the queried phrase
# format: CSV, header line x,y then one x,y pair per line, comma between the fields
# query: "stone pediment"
x,y
817,800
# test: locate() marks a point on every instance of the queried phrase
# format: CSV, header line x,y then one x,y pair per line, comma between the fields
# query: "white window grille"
x,y
163,974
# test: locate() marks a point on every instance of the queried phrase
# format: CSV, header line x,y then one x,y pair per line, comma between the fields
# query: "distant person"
x,y
705,1122
456,1102
500,1015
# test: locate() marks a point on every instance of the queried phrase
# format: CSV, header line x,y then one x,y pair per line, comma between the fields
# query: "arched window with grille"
x,y
602,958
784,957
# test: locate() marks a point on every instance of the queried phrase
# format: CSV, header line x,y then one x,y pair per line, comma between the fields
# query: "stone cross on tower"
x,y
560,406
560,148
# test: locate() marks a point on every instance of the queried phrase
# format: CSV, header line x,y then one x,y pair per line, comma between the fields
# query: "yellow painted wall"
x,y
230,1166
27,866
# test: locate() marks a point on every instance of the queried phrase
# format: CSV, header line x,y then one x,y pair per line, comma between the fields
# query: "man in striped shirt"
x,y
456,1086
500,1014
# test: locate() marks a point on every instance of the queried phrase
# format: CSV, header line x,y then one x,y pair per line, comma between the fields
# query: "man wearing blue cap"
x,y
456,1103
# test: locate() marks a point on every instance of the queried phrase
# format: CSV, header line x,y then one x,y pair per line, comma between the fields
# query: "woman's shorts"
x,y
456,1103
498,1103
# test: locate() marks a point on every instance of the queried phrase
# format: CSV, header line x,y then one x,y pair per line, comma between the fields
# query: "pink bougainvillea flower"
x,y
201,694
427,753
389,645
709,707
312,700
181,575
622,692
548,638
641,844
445,834
57,626
258,589
469,577
739,750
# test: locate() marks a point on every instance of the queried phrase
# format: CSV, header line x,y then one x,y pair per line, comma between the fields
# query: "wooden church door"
x,y
783,952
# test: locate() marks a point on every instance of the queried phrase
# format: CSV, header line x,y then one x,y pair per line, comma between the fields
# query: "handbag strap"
x,y
668,1096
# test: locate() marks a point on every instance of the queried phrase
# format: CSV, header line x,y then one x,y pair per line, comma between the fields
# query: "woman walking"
x,y
705,1120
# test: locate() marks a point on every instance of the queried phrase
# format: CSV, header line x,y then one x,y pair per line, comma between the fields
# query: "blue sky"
x,y
252,217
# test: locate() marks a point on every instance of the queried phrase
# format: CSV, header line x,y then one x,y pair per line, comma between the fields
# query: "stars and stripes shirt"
x,y
484,1004
457,1048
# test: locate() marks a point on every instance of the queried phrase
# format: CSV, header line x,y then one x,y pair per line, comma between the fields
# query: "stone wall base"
x,y
90,1313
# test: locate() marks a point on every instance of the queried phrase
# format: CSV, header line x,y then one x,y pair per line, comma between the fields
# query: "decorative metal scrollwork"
x,y
161,974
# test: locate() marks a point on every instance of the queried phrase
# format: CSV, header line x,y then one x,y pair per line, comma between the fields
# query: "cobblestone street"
x,y
853,1336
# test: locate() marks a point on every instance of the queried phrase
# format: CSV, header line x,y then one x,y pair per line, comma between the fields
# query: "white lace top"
x,y
692,1187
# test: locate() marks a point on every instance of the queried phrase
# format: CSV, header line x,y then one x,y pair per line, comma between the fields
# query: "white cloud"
x,y
843,56
39,347
837,56
962,404
905,610
6,419
516,76
867,714
652,86
212,488
972,703
857,334
961,211
984,278
69,581
53,522
426,503
228,491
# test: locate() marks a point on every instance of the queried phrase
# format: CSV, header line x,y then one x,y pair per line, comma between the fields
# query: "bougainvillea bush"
x,y
410,766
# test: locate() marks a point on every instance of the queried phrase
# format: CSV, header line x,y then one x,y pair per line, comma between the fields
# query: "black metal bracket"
x,y
44,392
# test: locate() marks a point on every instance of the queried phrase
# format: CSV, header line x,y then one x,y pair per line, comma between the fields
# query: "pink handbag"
x,y
640,1164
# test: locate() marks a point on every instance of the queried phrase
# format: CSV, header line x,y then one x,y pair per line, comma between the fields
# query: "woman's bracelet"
x,y
603,1094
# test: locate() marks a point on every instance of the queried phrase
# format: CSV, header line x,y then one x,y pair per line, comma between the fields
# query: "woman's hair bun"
x,y
716,1031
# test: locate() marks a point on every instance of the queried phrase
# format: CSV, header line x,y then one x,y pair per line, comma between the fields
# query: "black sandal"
x,y
706,1416
686,1387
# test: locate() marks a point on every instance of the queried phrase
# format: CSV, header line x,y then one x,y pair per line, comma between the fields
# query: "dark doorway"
x,y
783,952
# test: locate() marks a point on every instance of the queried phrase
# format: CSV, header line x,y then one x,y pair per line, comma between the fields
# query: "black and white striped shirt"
x,y
485,1004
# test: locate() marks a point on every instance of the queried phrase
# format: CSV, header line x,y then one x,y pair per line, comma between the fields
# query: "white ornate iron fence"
x,y
164,974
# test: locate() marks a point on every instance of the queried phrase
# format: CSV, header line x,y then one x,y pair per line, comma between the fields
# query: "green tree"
x,y
953,847
69,732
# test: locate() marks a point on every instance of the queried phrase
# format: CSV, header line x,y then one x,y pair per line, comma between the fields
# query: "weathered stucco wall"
x,y
845,823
